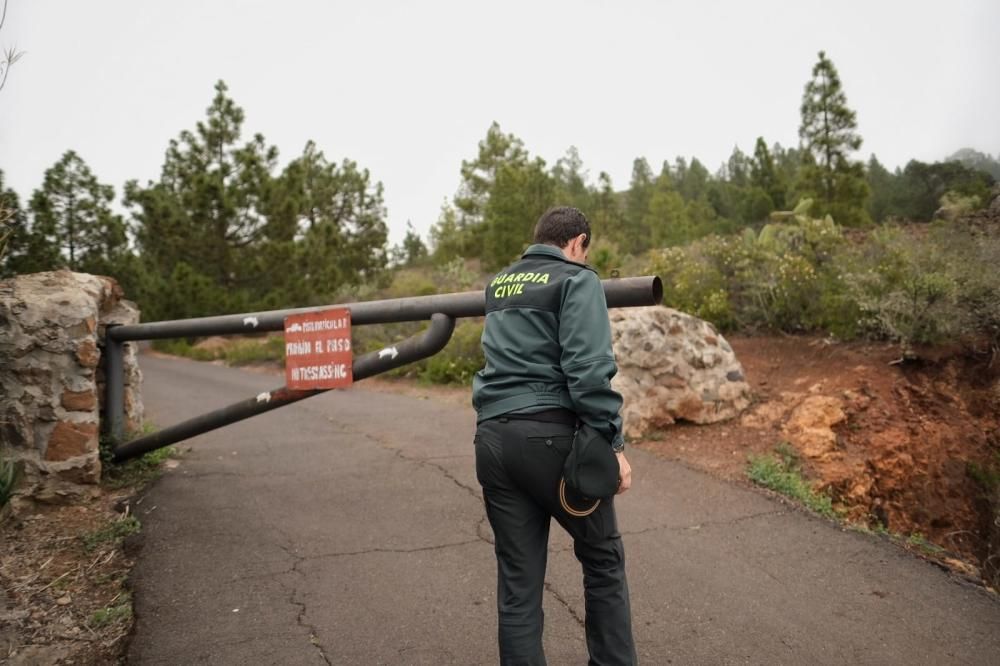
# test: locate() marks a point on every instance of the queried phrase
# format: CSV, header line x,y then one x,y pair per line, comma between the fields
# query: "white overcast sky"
x,y
408,89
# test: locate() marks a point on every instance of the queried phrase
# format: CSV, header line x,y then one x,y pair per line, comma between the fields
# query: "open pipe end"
x,y
657,290
633,292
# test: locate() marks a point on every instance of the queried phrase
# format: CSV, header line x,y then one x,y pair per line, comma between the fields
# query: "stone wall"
x,y
51,380
672,366
991,566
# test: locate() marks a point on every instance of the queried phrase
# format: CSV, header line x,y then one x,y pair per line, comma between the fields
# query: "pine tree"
x,y
519,196
883,185
447,238
787,164
222,221
829,135
336,215
72,220
571,181
479,174
413,250
691,180
606,216
16,253
666,217
765,175
727,201
208,210
496,151
636,235
738,168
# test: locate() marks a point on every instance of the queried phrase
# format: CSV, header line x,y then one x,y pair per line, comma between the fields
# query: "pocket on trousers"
x,y
559,444
488,463
595,529
605,523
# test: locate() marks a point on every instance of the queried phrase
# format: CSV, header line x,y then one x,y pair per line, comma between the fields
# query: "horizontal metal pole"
x,y
620,293
412,349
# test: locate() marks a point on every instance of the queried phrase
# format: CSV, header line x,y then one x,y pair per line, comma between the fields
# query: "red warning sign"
x,y
318,350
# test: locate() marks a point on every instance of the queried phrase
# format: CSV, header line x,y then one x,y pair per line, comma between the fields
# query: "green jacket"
x,y
547,343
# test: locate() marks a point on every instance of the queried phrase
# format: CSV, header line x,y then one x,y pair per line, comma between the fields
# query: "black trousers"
x,y
519,464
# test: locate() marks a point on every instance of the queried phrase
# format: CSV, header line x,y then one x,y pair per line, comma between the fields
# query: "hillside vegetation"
x,y
760,243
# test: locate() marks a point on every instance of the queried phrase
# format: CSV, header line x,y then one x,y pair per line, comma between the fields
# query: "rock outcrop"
x,y
985,221
673,366
51,386
810,426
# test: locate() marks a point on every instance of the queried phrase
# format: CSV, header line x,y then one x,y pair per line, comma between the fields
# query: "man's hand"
x,y
624,473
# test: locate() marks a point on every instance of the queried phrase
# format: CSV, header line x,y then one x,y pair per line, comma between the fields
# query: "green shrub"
x,y
182,347
412,282
137,471
371,338
605,257
786,277
460,360
976,257
694,282
455,364
782,474
927,289
796,277
987,476
956,204
455,275
237,351
134,472
919,541
797,274
105,616
112,533
255,350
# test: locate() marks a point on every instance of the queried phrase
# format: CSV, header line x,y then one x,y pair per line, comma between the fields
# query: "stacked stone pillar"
x,y
52,328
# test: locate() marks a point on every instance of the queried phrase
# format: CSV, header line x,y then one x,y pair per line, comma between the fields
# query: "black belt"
x,y
557,415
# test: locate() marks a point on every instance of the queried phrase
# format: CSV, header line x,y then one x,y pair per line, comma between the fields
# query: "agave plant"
x,y
8,479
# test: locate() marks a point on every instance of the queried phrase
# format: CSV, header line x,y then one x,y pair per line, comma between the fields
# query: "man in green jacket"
x,y
549,365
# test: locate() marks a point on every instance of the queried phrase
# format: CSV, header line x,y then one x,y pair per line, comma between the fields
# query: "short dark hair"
x,y
561,224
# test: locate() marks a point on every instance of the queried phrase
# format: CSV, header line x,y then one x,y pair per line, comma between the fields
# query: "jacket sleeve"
x,y
587,359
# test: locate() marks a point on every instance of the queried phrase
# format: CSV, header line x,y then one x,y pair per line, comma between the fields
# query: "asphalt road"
x,y
349,529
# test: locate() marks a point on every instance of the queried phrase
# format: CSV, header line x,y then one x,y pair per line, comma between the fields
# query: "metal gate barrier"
x,y
441,310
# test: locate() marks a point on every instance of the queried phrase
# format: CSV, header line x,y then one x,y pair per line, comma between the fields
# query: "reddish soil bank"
x,y
901,446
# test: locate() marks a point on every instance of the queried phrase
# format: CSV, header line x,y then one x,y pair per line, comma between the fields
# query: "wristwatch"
x,y
618,443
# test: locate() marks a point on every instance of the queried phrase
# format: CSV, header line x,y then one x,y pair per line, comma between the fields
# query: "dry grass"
x,y
64,576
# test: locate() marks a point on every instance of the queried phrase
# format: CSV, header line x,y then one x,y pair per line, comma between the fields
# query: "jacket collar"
x,y
552,252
